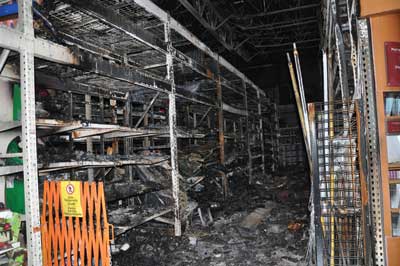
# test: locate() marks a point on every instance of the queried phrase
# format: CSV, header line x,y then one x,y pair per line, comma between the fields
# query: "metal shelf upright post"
x,y
172,129
27,75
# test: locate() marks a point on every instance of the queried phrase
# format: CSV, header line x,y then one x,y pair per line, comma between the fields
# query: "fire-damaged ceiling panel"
x,y
249,29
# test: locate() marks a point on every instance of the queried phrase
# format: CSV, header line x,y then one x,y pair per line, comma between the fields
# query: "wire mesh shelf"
x,y
339,183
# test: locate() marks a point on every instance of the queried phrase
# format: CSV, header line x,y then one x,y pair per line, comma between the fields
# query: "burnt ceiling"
x,y
250,33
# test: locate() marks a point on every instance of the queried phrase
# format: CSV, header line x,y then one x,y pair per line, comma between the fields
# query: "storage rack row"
x,y
107,53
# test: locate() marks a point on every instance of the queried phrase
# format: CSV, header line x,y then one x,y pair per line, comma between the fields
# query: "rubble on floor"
x,y
261,224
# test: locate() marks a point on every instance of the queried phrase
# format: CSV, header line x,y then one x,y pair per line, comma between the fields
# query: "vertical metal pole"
x,y
89,142
114,120
301,89
331,184
365,188
29,134
241,129
71,117
221,130
316,202
261,133
146,108
221,137
372,142
300,109
235,132
325,75
102,148
71,106
70,137
172,130
127,143
276,135
248,142
195,125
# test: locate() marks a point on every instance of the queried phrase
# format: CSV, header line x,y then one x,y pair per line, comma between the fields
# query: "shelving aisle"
x,y
122,70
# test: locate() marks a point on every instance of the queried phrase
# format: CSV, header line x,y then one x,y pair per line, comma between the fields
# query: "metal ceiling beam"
x,y
152,8
275,12
280,26
288,43
215,23
279,37
288,49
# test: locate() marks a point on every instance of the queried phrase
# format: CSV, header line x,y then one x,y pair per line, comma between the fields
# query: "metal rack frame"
x,y
85,57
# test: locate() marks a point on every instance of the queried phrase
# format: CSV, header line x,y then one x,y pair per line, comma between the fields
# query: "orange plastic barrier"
x,y
73,241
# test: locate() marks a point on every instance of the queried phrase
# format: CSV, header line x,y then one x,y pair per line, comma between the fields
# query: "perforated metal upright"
x,y
372,140
261,132
27,73
172,129
248,140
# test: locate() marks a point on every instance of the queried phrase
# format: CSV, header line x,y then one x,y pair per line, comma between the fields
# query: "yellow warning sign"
x,y
71,198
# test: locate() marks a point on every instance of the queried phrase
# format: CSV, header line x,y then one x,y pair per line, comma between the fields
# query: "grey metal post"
x,y
172,130
315,200
220,121
102,148
89,141
29,134
372,141
261,133
194,125
127,143
248,141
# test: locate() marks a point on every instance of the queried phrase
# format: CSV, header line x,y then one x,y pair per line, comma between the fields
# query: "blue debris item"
x,y
9,9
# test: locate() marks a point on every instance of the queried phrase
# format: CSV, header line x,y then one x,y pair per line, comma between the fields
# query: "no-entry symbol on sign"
x,y
70,189
71,198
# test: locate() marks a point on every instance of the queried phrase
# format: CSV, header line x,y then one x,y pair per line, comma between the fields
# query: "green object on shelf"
x,y
16,102
14,148
15,199
19,260
15,222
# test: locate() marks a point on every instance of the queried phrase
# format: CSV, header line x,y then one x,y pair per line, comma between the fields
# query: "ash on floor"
x,y
263,225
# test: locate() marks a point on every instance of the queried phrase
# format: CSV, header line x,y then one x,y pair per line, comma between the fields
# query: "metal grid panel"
x,y
86,26
340,196
83,77
139,15
80,24
77,23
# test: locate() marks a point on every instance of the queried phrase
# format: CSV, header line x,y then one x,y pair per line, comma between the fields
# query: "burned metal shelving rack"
x,y
347,64
140,42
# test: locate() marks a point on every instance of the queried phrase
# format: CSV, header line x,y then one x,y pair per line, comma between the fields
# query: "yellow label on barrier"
x,y
71,198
